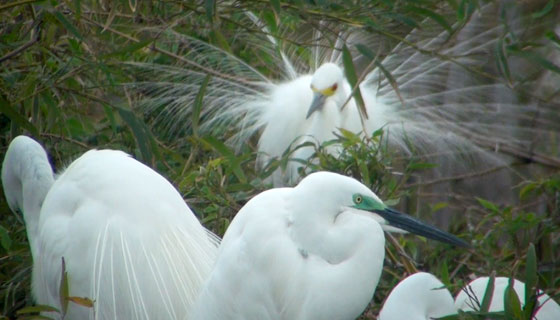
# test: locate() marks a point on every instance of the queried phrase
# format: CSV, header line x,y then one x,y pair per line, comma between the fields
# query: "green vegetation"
x,y
64,80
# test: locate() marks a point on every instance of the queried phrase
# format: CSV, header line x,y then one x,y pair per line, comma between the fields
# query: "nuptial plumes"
x,y
438,105
128,240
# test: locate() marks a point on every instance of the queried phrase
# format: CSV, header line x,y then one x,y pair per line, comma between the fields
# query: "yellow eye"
x,y
358,199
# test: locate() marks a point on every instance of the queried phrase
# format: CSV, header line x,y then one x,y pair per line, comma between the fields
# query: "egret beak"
x,y
316,104
405,222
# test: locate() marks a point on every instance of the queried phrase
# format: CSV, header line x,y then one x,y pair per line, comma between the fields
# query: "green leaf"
x,y
60,17
36,309
534,57
488,294
488,205
198,104
501,61
512,305
144,138
275,6
129,48
5,239
539,14
370,55
350,72
530,282
432,15
16,117
64,288
219,40
210,7
233,161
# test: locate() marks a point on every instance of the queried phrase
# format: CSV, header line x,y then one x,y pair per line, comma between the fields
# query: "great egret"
x,y
129,241
420,296
314,251
469,298
441,110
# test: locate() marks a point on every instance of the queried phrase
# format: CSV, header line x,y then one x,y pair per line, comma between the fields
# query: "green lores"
x,y
403,221
367,203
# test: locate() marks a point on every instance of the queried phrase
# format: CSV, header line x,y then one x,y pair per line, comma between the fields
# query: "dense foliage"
x,y
64,80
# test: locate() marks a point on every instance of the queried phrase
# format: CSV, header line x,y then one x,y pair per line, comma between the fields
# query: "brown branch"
x,y
21,49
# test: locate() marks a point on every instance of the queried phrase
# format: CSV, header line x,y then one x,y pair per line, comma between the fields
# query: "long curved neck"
x,y
27,177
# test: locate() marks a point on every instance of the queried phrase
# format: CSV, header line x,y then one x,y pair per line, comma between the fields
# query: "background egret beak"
x,y
316,104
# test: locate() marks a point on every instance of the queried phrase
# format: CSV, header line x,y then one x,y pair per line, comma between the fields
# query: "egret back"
x,y
128,240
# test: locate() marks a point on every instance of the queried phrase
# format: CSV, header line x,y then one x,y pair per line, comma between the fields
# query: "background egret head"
x,y
325,83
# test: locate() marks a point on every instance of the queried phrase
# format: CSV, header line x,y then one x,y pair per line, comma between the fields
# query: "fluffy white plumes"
x,y
449,109
470,297
420,296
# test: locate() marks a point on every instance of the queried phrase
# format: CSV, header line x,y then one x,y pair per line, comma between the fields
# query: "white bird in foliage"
x,y
129,242
471,296
314,251
420,296
439,106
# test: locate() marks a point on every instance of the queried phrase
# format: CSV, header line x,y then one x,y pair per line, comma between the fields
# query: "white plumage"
x,y
314,251
449,114
129,241
420,296
471,296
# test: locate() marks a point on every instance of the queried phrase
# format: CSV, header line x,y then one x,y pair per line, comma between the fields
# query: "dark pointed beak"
x,y
406,222
316,104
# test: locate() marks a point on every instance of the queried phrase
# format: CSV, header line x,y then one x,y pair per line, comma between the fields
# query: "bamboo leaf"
x,y
530,282
512,305
432,15
275,6
64,289
198,104
501,60
350,73
488,294
17,118
60,17
141,133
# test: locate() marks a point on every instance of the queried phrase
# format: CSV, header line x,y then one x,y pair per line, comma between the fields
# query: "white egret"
x,y
470,297
314,251
441,111
129,241
420,296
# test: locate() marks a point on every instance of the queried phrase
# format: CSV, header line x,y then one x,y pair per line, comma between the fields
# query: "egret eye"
x,y
334,87
358,199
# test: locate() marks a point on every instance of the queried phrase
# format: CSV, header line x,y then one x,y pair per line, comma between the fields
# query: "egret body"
x,y
129,241
420,296
469,298
314,251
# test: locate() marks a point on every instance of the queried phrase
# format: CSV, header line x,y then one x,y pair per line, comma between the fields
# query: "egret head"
x,y
347,194
325,83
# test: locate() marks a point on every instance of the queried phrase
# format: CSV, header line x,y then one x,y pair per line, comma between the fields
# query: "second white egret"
x,y
314,251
